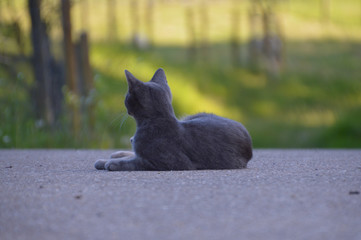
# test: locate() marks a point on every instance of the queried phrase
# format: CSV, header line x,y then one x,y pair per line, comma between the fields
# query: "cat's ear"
x,y
159,77
132,81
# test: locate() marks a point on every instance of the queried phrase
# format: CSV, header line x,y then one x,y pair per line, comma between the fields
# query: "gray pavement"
x,y
284,194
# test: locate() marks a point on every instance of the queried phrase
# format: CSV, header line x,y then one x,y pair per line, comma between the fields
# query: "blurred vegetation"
x,y
313,102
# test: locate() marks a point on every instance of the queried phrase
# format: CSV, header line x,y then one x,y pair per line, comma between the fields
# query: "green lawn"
x,y
315,102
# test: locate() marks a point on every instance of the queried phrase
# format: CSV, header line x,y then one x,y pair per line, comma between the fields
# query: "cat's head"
x,y
151,99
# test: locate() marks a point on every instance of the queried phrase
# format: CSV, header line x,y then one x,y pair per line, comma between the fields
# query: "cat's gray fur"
x,y
162,142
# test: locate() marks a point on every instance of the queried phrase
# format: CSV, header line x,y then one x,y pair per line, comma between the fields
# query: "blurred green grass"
x,y
296,110
315,102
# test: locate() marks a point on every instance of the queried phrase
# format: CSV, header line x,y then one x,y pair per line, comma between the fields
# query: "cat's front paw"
x,y
100,164
113,165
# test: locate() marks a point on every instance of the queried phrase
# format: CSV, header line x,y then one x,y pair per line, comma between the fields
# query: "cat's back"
x,y
216,136
213,122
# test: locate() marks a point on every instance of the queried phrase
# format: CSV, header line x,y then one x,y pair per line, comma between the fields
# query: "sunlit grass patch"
x,y
313,102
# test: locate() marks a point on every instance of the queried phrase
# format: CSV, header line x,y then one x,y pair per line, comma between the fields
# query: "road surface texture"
x,y
283,194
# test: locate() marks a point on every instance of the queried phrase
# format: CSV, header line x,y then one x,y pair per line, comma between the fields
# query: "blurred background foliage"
x,y
289,70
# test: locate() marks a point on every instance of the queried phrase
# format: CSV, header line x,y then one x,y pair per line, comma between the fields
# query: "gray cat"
x,y
162,142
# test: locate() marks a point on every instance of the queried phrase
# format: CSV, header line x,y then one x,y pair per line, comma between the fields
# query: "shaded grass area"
x,y
316,102
306,107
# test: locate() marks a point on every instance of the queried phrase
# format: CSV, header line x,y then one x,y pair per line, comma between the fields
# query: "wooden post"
x,y
70,64
88,76
41,62
68,46
85,78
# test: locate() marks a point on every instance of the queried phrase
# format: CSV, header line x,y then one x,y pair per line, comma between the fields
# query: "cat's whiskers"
x,y
124,118
120,117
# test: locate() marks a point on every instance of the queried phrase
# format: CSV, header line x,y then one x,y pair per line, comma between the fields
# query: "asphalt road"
x,y
283,194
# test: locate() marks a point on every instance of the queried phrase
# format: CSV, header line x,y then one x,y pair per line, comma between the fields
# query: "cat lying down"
x,y
162,142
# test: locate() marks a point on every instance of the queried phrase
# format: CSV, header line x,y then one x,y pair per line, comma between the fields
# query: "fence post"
x,y
41,61
85,78
70,65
